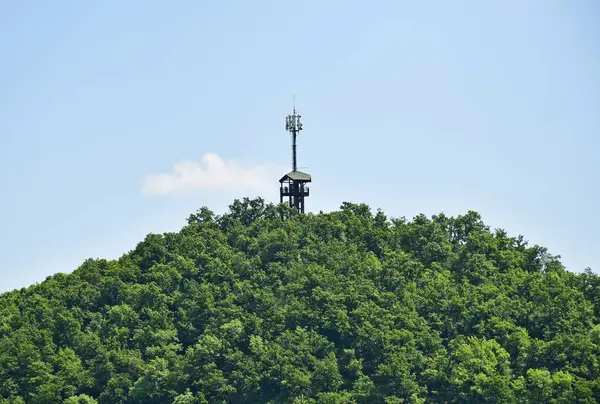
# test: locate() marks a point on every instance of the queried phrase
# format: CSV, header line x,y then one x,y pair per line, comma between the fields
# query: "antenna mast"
x,y
293,125
293,184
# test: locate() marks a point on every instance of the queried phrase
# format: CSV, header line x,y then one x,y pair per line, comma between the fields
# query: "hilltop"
x,y
263,304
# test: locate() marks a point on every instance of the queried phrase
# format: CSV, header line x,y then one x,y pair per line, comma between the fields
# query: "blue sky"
x,y
407,106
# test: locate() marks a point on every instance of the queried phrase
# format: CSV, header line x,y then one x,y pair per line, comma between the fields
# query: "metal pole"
x,y
294,164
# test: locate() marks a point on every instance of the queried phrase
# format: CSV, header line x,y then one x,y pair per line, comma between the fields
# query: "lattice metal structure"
x,y
293,184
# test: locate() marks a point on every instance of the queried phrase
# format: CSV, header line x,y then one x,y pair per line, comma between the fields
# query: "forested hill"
x,y
262,305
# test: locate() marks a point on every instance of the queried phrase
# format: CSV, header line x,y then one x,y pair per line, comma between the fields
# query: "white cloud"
x,y
213,173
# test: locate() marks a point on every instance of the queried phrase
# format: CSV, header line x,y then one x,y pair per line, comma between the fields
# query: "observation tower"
x,y
293,184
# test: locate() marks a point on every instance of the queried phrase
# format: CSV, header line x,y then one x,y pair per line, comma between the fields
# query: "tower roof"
x,y
296,176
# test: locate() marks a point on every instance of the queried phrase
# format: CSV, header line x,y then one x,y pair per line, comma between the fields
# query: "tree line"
x,y
265,305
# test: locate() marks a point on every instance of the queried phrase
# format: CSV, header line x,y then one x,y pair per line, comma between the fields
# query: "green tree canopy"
x,y
265,305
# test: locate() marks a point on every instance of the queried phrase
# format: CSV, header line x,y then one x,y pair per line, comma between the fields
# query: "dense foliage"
x,y
265,305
